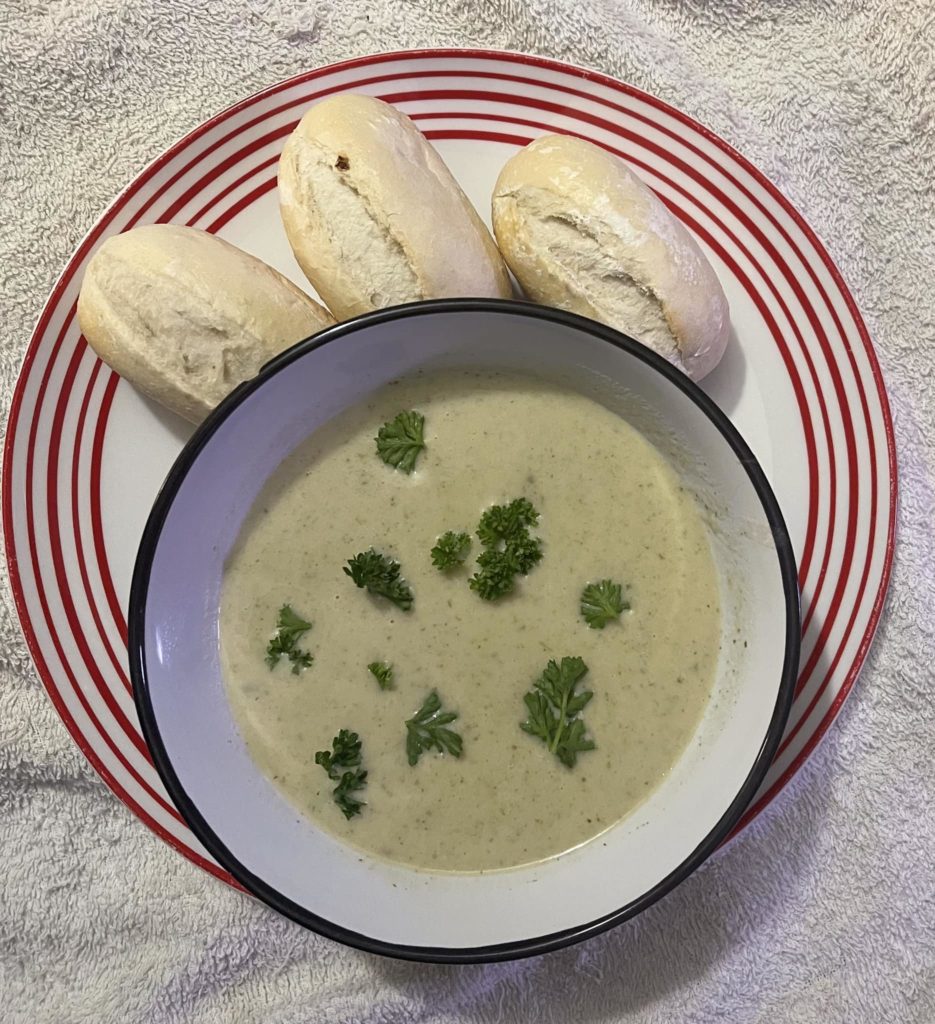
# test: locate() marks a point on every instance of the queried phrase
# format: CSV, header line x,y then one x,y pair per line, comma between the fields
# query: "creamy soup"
x,y
611,508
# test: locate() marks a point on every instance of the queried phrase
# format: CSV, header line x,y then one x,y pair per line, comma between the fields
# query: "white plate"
x,y
85,454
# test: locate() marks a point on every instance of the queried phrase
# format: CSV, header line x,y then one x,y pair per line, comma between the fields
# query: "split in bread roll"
x,y
185,316
374,216
582,232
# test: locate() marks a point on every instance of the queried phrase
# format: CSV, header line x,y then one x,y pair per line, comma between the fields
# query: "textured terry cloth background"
x,y
823,910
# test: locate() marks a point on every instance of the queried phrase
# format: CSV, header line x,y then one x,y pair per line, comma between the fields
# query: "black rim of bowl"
x,y
539,943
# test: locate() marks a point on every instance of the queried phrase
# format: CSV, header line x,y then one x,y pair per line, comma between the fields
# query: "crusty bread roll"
x,y
185,316
374,216
582,232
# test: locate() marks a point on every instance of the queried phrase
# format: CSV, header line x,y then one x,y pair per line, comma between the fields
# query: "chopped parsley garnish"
x,y
509,549
401,439
342,763
602,603
380,575
523,553
426,730
494,577
289,628
506,522
451,549
383,673
554,706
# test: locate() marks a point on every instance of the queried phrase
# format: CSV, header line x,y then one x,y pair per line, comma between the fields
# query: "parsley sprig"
x,y
602,603
342,763
451,549
289,628
380,575
382,671
400,441
509,548
427,730
554,706
506,522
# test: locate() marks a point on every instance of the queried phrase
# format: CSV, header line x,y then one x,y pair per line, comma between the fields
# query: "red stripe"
x,y
822,727
225,165
851,676
109,779
843,691
58,563
792,733
36,571
76,523
97,525
248,200
16,580
868,426
193,220
273,136
48,679
861,590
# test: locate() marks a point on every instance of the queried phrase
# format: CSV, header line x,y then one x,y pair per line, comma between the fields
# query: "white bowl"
x,y
305,873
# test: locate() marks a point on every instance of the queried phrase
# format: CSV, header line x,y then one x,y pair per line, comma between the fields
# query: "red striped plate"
x,y
85,454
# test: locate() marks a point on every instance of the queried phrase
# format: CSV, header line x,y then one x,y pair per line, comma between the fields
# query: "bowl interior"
x,y
243,819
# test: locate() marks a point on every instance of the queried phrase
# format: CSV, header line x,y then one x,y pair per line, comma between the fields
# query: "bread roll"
x,y
582,232
185,316
374,216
